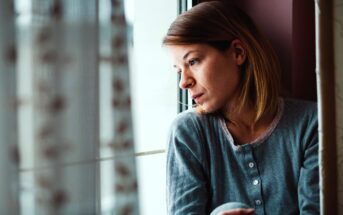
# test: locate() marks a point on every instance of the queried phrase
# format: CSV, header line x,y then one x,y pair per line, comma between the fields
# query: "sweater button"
x,y
258,202
255,182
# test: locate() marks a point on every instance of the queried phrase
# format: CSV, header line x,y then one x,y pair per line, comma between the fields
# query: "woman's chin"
x,y
204,109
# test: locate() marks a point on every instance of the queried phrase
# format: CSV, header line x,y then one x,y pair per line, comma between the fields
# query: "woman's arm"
x,y
308,186
187,185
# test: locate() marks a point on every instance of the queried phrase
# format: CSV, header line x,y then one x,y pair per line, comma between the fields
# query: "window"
x,y
154,101
154,98
154,94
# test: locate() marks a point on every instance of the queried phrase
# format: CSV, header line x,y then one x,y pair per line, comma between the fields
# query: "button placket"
x,y
255,179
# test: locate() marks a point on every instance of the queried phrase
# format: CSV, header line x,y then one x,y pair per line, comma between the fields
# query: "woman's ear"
x,y
239,51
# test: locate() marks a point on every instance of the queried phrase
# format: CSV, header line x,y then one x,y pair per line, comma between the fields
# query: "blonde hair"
x,y
217,24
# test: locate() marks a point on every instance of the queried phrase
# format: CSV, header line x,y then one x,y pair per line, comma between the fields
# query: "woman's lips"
x,y
197,97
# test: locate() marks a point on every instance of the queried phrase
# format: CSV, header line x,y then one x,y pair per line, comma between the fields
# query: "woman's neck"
x,y
242,123
243,117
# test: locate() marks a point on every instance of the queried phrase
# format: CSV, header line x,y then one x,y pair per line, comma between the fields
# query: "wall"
x,y
289,25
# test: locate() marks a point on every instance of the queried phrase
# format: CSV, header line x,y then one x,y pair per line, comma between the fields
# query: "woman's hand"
x,y
239,211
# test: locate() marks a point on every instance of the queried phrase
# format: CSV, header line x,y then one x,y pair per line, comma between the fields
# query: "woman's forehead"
x,y
179,49
182,52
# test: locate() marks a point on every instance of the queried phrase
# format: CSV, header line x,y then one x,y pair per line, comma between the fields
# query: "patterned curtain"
x,y
329,30
65,71
9,159
125,174
65,59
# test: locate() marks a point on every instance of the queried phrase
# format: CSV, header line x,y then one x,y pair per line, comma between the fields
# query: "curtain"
x,y
9,159
329,44
65,60
65,105
125,174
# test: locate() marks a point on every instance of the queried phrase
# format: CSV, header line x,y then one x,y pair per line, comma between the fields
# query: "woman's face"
x,y
211,76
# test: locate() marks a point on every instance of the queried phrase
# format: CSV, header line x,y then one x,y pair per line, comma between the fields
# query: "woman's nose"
x,y
186,81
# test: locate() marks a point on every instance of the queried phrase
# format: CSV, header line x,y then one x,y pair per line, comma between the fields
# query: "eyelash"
x,y
192,62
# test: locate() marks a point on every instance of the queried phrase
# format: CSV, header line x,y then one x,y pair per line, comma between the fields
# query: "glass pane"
x,y
153,80
154,99
152,184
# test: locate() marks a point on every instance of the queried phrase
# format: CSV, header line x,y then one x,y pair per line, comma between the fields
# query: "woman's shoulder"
x,y
191,119
299,116
301,108
189,131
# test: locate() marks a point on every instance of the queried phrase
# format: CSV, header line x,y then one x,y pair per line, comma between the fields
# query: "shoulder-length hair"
x,y
216,23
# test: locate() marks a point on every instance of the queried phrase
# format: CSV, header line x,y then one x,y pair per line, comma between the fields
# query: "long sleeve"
x,y
187,186
308,186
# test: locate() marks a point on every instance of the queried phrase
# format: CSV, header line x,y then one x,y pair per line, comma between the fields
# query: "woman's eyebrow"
x,y
188,53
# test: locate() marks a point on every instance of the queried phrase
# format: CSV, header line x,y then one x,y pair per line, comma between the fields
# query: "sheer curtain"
x,y
64,59
9,196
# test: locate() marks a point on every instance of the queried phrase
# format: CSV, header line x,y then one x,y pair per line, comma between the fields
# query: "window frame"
x,y
184,101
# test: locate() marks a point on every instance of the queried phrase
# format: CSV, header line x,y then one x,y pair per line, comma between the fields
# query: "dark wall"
x,y
303,50
290,26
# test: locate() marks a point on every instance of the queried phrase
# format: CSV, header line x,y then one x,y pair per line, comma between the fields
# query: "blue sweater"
x,y
275,174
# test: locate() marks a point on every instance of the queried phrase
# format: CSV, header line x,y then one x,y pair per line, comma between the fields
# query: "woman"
x,y
243,144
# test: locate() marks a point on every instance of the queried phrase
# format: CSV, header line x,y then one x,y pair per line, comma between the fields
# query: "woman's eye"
x,y
193,61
